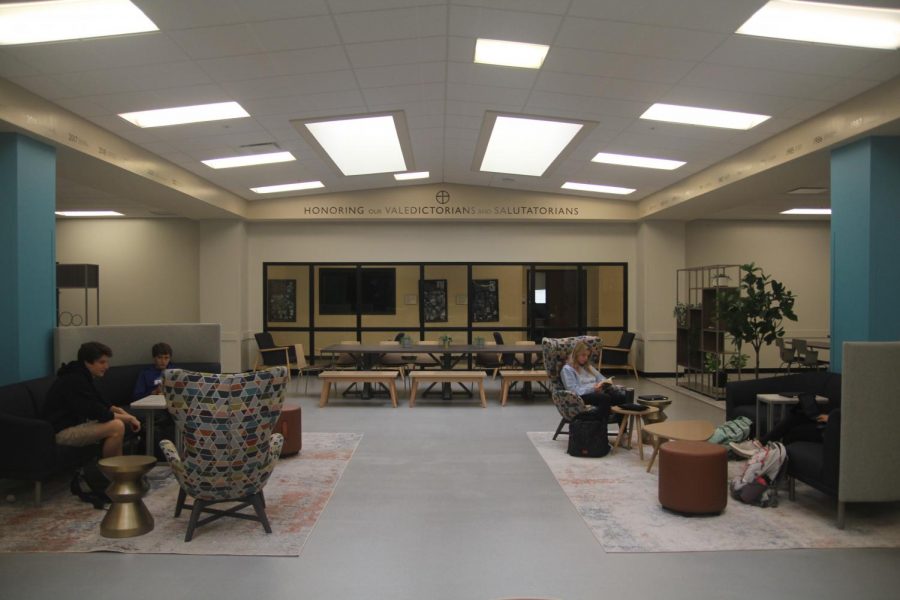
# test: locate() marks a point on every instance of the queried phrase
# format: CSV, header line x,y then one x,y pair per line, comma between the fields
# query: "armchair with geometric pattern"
x,y
556,353
229,448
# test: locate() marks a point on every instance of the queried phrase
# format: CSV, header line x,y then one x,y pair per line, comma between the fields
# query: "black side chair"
x,y
271,355
618,356
817,465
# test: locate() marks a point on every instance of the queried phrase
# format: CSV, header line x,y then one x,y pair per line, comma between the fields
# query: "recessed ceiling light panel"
x,y
707,117
181,115
600,189
249,160
34,22
89,213
510,54
808,191
362,144
637,161
825,23
288,187
525,145
409,176
807,211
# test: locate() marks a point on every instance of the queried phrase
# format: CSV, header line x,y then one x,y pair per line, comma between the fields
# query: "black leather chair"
x,y
271,355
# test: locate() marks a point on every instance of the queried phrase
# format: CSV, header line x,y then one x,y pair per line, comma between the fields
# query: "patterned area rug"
x,y
296,495
618,500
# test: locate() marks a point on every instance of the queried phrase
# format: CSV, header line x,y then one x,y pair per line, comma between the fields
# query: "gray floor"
x,y
453,502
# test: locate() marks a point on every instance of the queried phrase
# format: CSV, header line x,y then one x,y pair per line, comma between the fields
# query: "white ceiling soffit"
x,y
285,61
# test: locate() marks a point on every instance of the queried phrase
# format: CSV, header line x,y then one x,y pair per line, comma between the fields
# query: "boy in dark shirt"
x,y
149,382
76,410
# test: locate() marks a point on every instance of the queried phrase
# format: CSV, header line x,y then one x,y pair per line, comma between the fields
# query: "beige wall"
x,y
796,254
148,268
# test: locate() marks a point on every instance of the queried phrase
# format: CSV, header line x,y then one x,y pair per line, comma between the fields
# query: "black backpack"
x,y
89,484
588,436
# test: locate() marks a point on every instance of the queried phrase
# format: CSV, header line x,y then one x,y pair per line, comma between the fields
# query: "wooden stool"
x,y
288,425
632,419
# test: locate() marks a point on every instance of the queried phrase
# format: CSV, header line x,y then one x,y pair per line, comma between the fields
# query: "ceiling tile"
x,y
12,66
470,73
290,85
385,25
301,106
534,28
432,72
400,52
271,10
186,14
555,7
624,66
292,34
344,6
46,86
132,79
401,94
723,16
272,64
215,42
488,94
760,81
727,100
99,53
642,40
601,87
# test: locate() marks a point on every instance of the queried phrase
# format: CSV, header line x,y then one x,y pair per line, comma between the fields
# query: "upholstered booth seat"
x,y
693,477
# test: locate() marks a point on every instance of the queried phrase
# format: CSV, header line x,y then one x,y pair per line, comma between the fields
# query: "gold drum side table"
x,y
127,517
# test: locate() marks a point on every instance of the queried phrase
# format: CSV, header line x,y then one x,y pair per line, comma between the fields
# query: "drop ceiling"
x,y
286,60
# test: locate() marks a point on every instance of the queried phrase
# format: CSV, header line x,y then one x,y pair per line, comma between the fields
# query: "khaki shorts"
x,y
81,435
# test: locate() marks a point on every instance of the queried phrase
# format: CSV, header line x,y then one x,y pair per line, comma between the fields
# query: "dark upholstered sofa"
x,y
27,447
740,396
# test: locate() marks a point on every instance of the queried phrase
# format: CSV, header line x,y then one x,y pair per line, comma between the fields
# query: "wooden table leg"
x,y
326,388
481,393
622,427
392,388
657,442
639,420
504,391
412,392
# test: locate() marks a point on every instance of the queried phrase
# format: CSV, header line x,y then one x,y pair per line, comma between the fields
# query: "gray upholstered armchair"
x,y
556,353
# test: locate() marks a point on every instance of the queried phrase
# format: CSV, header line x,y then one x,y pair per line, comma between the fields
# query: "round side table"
x,y
127,517
632,420
658,417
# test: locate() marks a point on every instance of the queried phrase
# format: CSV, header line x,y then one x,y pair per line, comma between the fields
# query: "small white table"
x,y
152,404
772,400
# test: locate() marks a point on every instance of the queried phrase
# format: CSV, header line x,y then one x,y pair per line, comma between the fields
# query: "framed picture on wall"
x,y
281,303
434,300
485,301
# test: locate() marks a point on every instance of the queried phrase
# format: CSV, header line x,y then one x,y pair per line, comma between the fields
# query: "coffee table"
x,y
151,404
695,431
127,517
662,404
773,400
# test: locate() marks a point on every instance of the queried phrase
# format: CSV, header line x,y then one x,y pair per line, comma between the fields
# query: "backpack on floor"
x,y
758,484
588,437
735,430
90,484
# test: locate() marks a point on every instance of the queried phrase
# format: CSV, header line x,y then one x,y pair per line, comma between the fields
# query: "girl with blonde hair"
x,y
579,376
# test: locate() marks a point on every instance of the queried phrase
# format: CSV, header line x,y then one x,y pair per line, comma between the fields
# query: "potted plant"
x,y
755,314
738,361
680,314
445,340
712,364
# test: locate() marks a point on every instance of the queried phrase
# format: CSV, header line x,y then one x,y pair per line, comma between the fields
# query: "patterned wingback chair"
x,y
556,353
227,423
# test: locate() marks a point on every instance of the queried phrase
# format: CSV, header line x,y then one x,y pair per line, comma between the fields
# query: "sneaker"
x,y
746,448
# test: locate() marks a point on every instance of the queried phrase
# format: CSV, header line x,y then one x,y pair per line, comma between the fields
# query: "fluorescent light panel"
x,y
181,115
707,117
523,146
89,213
361,146
510,54
839,24
802,191
637,161
600,189
288,187
807,211
249,160
34,22
408,176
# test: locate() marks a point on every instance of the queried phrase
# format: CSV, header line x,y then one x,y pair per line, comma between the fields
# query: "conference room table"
x,y
366,356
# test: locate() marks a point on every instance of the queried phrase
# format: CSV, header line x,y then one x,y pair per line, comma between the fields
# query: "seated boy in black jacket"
x,y
79,415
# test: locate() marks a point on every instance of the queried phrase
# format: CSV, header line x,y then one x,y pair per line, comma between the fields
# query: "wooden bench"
x,y
447,377
511,377
386,377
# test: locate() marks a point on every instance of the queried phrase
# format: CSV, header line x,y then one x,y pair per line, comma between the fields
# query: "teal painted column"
x,y
865,243
27,257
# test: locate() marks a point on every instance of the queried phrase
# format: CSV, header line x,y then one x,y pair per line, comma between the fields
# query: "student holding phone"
x,y
580,377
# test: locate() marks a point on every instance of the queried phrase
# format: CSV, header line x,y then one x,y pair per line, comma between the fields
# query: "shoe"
x,y
746,448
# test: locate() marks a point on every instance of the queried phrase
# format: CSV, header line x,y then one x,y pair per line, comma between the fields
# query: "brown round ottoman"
x,y
288,425
693,477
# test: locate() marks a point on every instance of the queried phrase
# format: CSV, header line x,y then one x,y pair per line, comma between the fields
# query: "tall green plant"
x,y
755,315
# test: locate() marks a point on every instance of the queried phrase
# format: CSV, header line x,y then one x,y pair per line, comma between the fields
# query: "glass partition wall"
x,y
322,304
